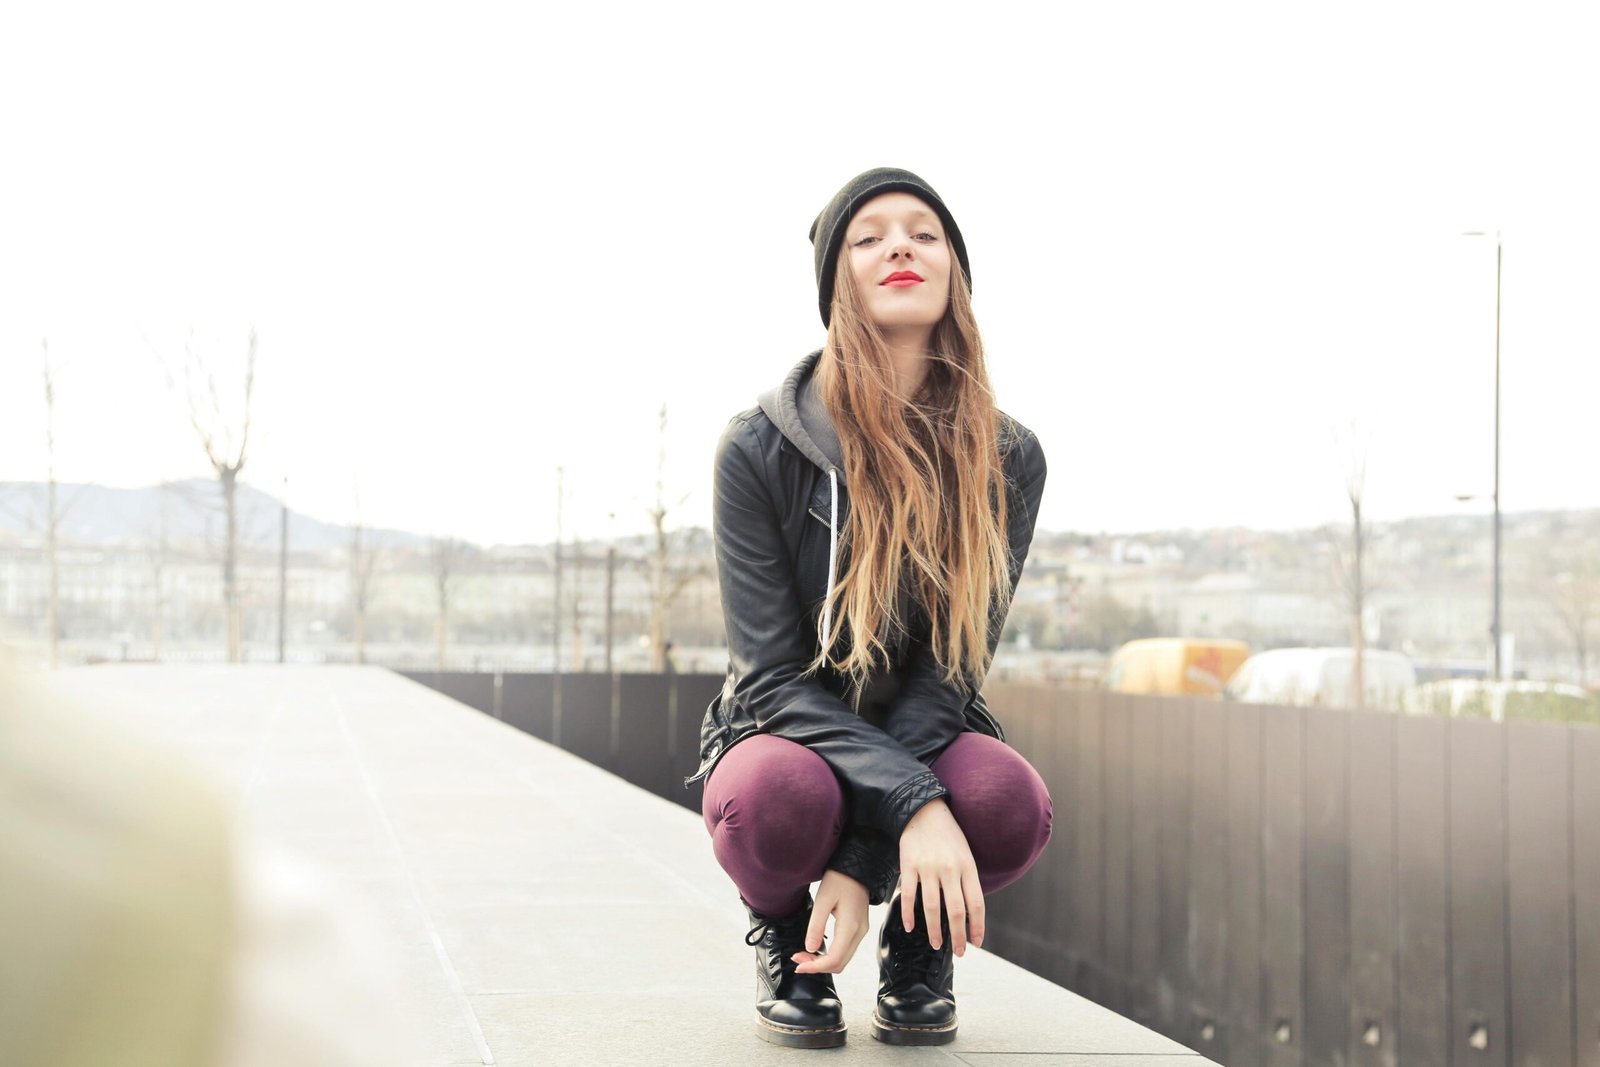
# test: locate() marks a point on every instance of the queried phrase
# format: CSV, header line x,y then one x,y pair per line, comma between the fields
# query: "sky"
x,y
1218,250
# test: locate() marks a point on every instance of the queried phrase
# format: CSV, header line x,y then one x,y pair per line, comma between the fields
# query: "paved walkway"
x,y
545,911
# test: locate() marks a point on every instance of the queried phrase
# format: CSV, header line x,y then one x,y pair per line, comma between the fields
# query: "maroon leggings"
x,y
775,811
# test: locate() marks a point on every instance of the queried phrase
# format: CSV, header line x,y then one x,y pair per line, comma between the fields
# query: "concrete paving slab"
x,y
543,911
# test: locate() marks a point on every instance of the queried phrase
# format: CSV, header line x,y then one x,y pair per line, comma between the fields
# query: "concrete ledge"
x,y
544,911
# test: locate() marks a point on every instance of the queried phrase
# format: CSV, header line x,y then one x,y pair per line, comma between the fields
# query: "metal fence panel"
x,y
1327,884
1116,795
583,717
1373,1016
1037,902
1144,889
527,701
1055,741
1088,913
1539,794
1208,873
1283,887
1244,1026
1585,815
1422,835
644,703
1172,991
468,687
1478,1015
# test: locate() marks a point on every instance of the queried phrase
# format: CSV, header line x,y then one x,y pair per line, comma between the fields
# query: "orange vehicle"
x,y
1174,666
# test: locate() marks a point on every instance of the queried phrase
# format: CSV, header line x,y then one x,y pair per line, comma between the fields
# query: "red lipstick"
x,y
902,278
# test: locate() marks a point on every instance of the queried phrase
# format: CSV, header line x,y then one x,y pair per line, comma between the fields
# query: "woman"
x,y
850,745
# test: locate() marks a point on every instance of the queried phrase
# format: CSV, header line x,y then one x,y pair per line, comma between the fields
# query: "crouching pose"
x,y
871,519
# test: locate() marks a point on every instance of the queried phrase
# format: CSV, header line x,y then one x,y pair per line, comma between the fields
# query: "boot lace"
x,y
911,956
783,928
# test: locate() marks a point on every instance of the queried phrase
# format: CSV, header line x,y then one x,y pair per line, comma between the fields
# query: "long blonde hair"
x,y
927,490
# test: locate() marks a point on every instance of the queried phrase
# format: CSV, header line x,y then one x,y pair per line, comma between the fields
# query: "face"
x,y
901,262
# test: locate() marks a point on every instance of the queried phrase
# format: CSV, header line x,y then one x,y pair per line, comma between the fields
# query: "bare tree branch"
x,y
444,554
249,393
1351,562
363,559
669,577
52,511
227,463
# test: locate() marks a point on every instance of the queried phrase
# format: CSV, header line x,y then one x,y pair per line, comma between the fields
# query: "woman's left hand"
x,y
935,857
845,899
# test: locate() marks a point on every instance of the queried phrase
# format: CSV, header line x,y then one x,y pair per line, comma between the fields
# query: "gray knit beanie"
x,y
827,232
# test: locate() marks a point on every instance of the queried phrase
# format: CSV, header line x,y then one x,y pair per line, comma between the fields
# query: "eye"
x,y
862,242
925,237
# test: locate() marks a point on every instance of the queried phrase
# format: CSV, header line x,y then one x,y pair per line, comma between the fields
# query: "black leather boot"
x,y
799,1010
916,983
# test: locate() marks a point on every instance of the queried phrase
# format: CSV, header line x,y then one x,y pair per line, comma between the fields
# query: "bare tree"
x,y
52,519
158,566
445,555
363,559
577,604
1107,622
1574,598
226,451
1350,568
669,576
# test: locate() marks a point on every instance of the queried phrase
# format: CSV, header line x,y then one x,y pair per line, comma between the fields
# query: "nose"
x,y
901,248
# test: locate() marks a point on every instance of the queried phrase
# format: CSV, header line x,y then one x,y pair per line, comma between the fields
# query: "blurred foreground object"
x,y
138,927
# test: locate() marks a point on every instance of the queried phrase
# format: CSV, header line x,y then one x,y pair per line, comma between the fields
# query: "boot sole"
x,y
779,1035
912,1035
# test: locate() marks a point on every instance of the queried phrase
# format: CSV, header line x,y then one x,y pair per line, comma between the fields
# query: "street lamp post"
x,y
1495,625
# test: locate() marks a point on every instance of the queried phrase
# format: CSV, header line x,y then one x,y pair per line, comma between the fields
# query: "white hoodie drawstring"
x,y
833,554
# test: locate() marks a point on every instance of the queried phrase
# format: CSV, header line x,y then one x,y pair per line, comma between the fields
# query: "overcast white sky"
x,y
481,241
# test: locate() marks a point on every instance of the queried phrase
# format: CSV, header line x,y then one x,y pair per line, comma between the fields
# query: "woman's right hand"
x,y
845,899
934,856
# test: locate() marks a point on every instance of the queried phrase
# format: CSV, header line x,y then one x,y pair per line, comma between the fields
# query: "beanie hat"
x,y
827,232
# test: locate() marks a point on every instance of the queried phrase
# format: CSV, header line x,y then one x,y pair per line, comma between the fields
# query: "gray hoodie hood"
x,y
797,410
795,407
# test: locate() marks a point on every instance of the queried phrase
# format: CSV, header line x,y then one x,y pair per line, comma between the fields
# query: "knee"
x,y
1020,830
774,800
1043,811
1009,845
781,776
1001,802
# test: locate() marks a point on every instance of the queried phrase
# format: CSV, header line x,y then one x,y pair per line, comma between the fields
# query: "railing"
x,y
644,728
1316,886
1268,885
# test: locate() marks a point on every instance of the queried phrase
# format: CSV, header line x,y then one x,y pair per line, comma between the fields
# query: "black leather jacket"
x,y
773,524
